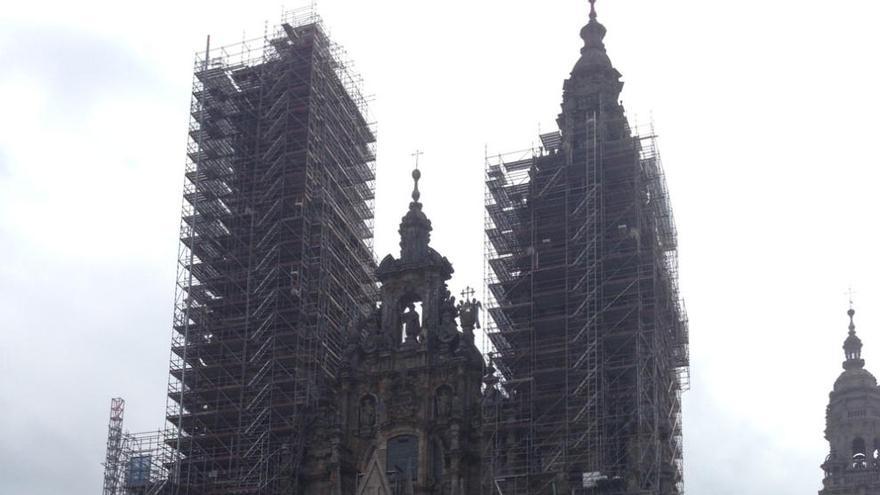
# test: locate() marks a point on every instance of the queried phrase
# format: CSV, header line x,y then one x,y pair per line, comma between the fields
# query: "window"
x,y
858,454
437,461
403,457
858,446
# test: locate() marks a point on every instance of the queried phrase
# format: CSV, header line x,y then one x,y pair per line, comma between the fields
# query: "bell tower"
x,y
853,426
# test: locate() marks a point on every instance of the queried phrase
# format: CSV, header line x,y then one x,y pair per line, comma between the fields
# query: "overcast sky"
x,y
767,114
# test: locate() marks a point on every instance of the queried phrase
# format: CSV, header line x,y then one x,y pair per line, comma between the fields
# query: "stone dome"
x,y
593,55
855,379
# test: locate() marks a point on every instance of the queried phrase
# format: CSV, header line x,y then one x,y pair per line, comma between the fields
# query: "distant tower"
x,y
853,426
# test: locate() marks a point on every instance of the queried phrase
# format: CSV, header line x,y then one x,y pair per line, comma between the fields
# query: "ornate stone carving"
x,y
376,339
402,399
469,313
367,413
352,348
443,401
447,332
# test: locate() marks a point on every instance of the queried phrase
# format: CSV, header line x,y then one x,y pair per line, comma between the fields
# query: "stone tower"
x,y
275,251
409,390
853,426
590,337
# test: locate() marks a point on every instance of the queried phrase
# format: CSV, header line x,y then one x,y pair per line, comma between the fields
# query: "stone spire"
x,y
594,85
415,228
852,346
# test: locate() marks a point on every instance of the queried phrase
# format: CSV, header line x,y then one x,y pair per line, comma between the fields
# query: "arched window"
x,y
403,457
859,459
410,314
858,446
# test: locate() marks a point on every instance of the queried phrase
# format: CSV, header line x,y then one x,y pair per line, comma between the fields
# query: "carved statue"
x,y
367,413
469,313
410,320
443,402
447,331
373,327
447,304
402,397
489,377
352,343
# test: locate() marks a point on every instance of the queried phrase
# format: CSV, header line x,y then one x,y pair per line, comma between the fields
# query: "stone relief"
x,y
443,401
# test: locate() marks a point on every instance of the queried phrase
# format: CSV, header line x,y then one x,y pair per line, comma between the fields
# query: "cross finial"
x,y
467,293
851,312
417,154
592,9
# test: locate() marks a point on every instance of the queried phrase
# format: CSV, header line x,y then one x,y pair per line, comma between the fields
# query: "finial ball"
x,y
851,312
416,174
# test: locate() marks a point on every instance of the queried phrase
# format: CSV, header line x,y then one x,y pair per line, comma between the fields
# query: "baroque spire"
x,y
594,63
852,346
593,33
415,228
415,237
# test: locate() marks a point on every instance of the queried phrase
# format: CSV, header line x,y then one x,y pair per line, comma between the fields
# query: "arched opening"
x,y
859,458
858,446
411,317
402,461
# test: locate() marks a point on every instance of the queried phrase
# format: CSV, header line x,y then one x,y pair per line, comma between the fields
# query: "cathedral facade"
x,y
409,419
853,426
300,366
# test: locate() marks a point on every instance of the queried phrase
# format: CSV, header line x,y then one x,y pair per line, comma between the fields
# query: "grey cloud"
x,y
57,321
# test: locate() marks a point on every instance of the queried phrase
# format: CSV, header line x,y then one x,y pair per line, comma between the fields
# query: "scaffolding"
x,y
136,463
114,446
275,252
589,335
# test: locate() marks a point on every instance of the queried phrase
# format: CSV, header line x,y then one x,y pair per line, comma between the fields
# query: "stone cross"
x,y
417,154
467,294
